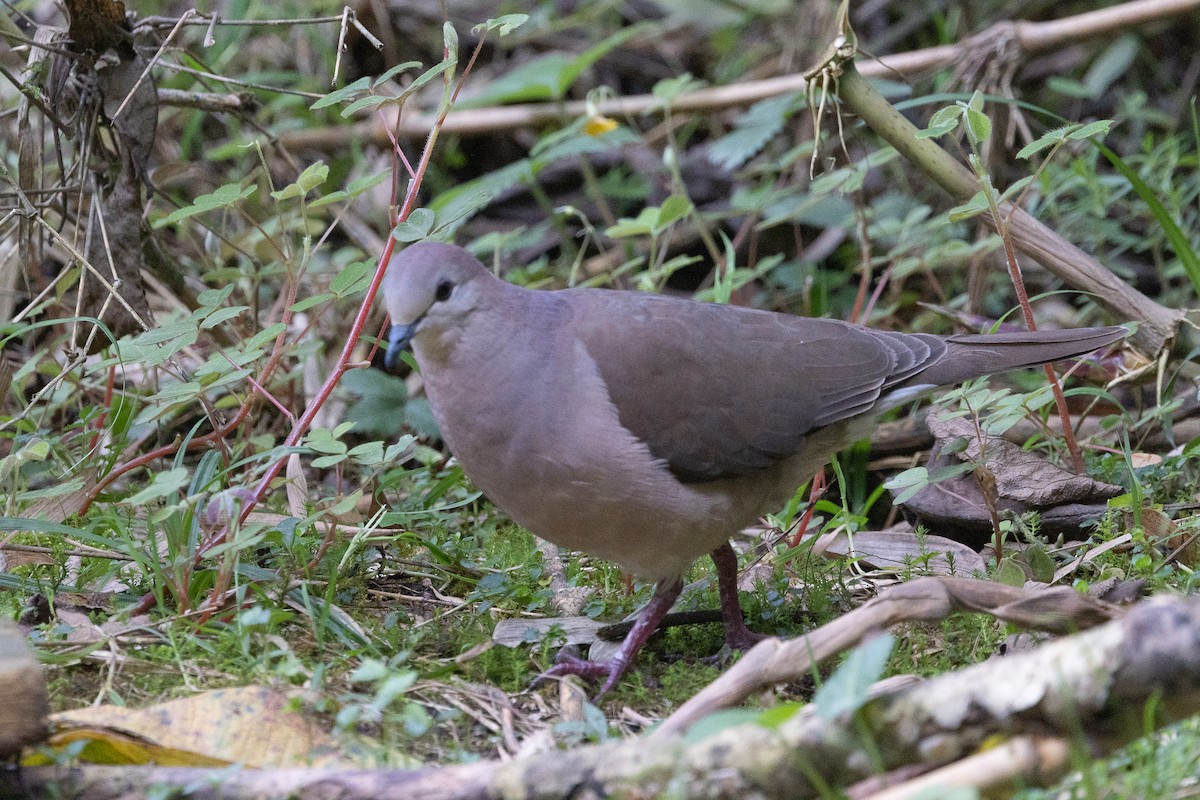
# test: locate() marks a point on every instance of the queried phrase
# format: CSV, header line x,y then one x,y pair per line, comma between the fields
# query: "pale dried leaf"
x,y
296,487
1021,476
900,548
516,632
253,725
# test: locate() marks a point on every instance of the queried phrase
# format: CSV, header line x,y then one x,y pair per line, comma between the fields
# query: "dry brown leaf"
x,y
516,632
899,547
957,508
251,725
1021,476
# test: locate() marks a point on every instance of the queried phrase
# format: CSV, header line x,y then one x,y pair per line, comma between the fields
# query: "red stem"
x,y
1060,400
342,365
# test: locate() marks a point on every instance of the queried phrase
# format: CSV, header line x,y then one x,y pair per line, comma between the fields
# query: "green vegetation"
x,y
155,482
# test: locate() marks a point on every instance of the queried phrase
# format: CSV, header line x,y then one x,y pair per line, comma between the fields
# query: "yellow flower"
x,y
597,125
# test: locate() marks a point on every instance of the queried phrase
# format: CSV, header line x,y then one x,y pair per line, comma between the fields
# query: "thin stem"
x,y
343,363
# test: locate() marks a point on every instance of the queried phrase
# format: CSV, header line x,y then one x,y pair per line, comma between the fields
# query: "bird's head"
x,y
430,289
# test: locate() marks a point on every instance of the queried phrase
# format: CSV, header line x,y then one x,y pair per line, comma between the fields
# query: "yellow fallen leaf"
x,y
112,746
251,725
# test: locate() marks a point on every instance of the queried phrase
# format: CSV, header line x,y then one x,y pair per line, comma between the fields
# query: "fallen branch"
x,y
1031,37
1091,688
774,661
1016,764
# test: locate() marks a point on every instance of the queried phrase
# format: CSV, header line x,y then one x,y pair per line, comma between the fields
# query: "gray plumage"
x,y
647,429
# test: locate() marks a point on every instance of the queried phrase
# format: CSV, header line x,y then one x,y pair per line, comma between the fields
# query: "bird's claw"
x,y
565,664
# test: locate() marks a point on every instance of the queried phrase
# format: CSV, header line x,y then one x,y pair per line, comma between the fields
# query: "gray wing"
x,y
716,391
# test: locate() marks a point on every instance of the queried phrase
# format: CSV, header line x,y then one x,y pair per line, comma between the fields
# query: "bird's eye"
x,y
443,291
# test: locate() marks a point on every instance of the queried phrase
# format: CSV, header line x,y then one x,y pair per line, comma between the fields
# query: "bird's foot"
x,y
565,665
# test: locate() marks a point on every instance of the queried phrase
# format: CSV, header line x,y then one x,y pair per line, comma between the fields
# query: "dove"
x,y
646,429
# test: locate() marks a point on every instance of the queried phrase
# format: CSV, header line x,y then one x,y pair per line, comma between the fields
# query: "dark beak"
x,y
398,340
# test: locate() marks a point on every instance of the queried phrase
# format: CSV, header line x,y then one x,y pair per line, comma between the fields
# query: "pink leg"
x,y
665,595
737,635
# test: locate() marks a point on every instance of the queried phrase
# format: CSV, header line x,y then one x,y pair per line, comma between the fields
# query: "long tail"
x,y
973,355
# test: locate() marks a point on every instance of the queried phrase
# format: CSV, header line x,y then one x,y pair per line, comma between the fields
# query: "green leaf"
x,y
950,471
163,333
456,206
22,524
309,302
368,454
418,226
223,197
392,687
1046,140
549,76
164,484
973,207
429,74
356,188
354,277
907,483
776,715
212,298
1017,186
1009,572
393,72
34,450
374,101
1100,127
846,690
176,393
1040,563
941,123
325,462
1178,240
323,440
380,409
502,25
752,131
674,208
221,315
418,415
342,95
537,80
643,224
267,334
154,347
978,125
668,90
347,504
53,490
573,141
360,185
1069,87
312,177
1112,63
332,197
719,721
370,670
